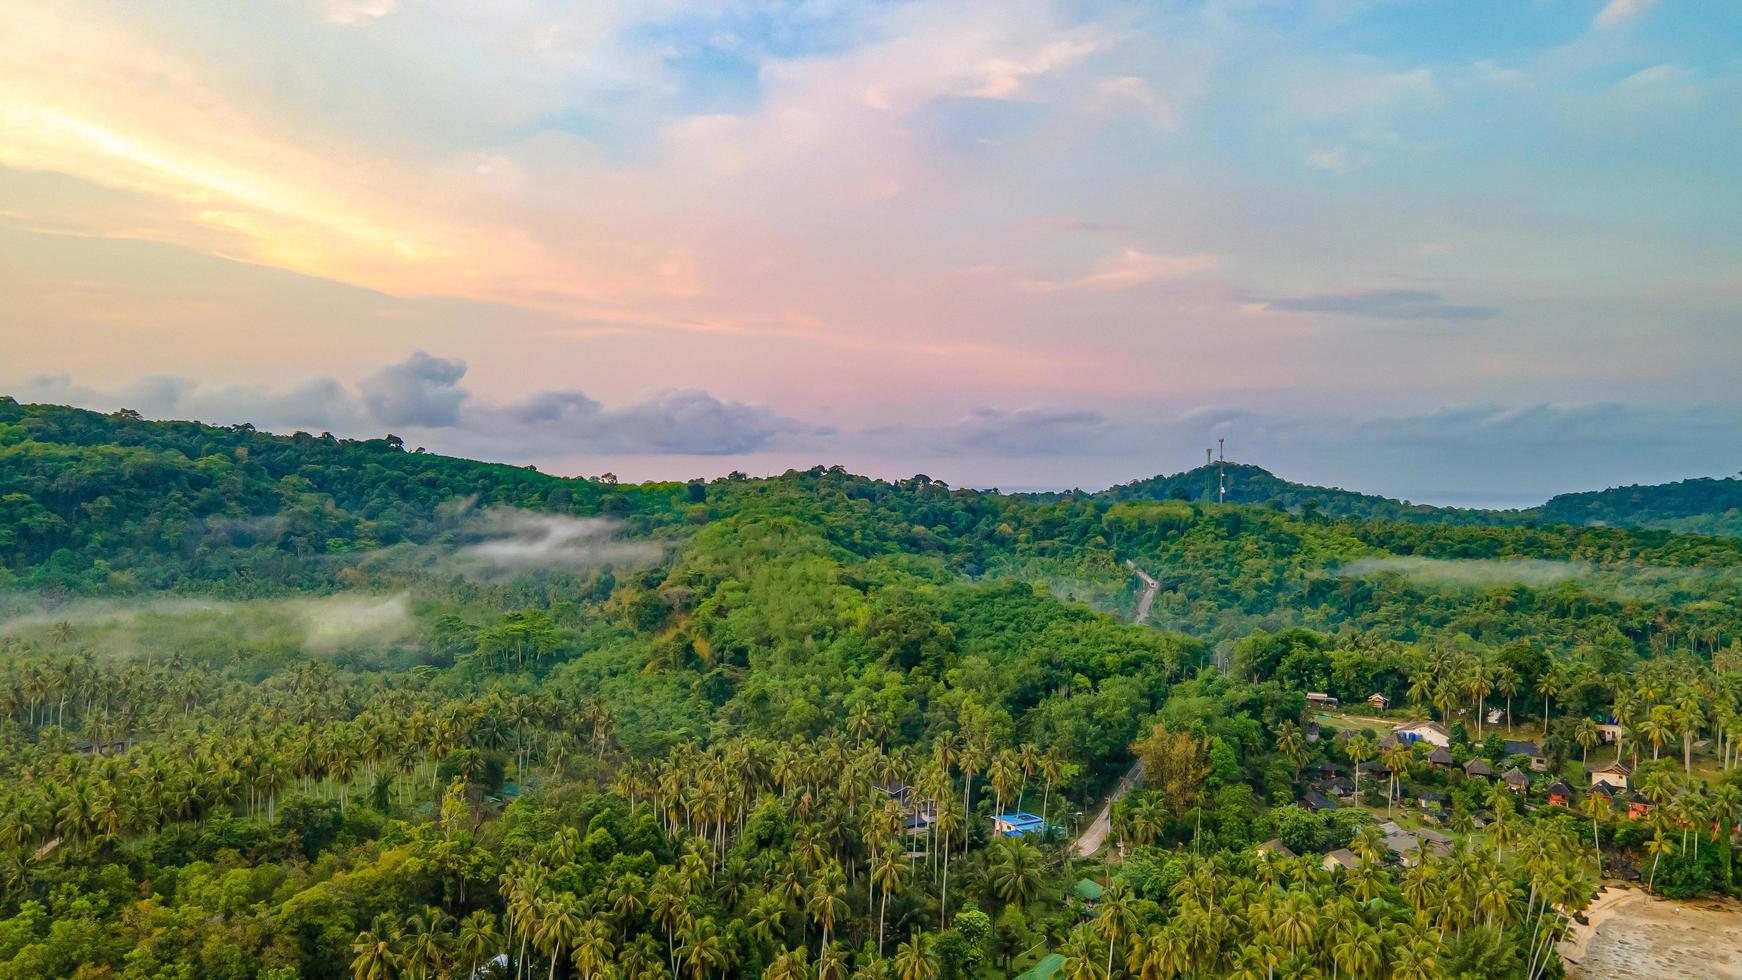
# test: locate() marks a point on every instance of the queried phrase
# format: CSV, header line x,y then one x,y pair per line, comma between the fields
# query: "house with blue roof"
x,y
1018,824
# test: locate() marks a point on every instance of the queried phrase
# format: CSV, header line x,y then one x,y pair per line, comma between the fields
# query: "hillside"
x,y
1249,484
1701,506
293,706
1697,506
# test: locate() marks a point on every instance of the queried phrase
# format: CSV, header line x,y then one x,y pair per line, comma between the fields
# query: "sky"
x,y
1471,252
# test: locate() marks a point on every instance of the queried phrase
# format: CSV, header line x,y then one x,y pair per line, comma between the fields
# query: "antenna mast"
x,y
1221,470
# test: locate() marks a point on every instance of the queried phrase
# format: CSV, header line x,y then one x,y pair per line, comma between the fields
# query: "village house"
x,y
1317,801
1018,824
1319,699
1431,732
1638,807
1530,750
1613,775
1429,799
1478,768
1342,857
1608,730
1516,780
1441,759
1379,701
1274,848
1560,794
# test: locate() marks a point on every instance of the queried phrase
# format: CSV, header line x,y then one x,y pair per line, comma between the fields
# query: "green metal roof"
x,y
1087,890
1049,964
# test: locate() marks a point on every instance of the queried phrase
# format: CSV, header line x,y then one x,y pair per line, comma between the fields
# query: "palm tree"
x,y
789,965
916,960
1657,846
1551,682
1082,959
1596,806
1506,685
478,939
1397,759
826,904
1356,949
375,957
1585,734
1478,682
426,950
559,926
1015,874
886,875
703,948
1359,748
592,954
1114,918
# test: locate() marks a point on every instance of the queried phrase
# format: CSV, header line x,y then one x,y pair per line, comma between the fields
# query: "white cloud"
x,y
356,12
1617,13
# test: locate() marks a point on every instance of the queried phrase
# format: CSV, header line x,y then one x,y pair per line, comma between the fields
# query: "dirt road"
x,y
1150,588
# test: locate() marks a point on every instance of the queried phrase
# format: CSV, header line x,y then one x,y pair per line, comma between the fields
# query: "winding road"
x,y
1096,833
1150,588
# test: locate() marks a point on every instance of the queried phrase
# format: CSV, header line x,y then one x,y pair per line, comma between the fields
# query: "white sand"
x,y
1633,935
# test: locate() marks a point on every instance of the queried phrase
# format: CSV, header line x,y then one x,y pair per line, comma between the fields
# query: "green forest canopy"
x,y
271,710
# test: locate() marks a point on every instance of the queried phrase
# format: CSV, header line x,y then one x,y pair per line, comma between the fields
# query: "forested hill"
x,y
278,707
1702,506
1697,506
1249,484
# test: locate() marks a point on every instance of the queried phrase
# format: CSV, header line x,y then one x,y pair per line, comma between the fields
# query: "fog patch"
x,y
1617,581
513,541
342,621
1471,573
129,627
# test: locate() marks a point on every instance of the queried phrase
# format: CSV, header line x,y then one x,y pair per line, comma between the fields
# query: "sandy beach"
x,y
1633,935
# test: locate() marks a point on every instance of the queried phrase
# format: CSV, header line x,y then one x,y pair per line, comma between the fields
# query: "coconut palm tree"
x,y
703,949
1114,918
1585,734
916,959
1014,873
375,957
478,939
826,903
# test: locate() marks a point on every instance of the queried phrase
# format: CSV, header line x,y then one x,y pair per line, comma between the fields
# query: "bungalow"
x,y
1375,769
1018,824
1274,847
1342,857
1478,768
1088,890
1407,844
1379,701
1613,775
1560,794
1496,715
1317,801
1431,732
1441,759
1516,780
1638,807
1339,786
1608,730
1530,750
1429,799
1319,699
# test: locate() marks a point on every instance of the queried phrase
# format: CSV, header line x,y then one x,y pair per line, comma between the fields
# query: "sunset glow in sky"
x,y
1472,251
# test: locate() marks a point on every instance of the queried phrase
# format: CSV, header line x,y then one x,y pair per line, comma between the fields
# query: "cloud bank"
x,y
423,398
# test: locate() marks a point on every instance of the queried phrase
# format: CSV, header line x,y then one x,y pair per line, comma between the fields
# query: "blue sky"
x,y
1023,243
